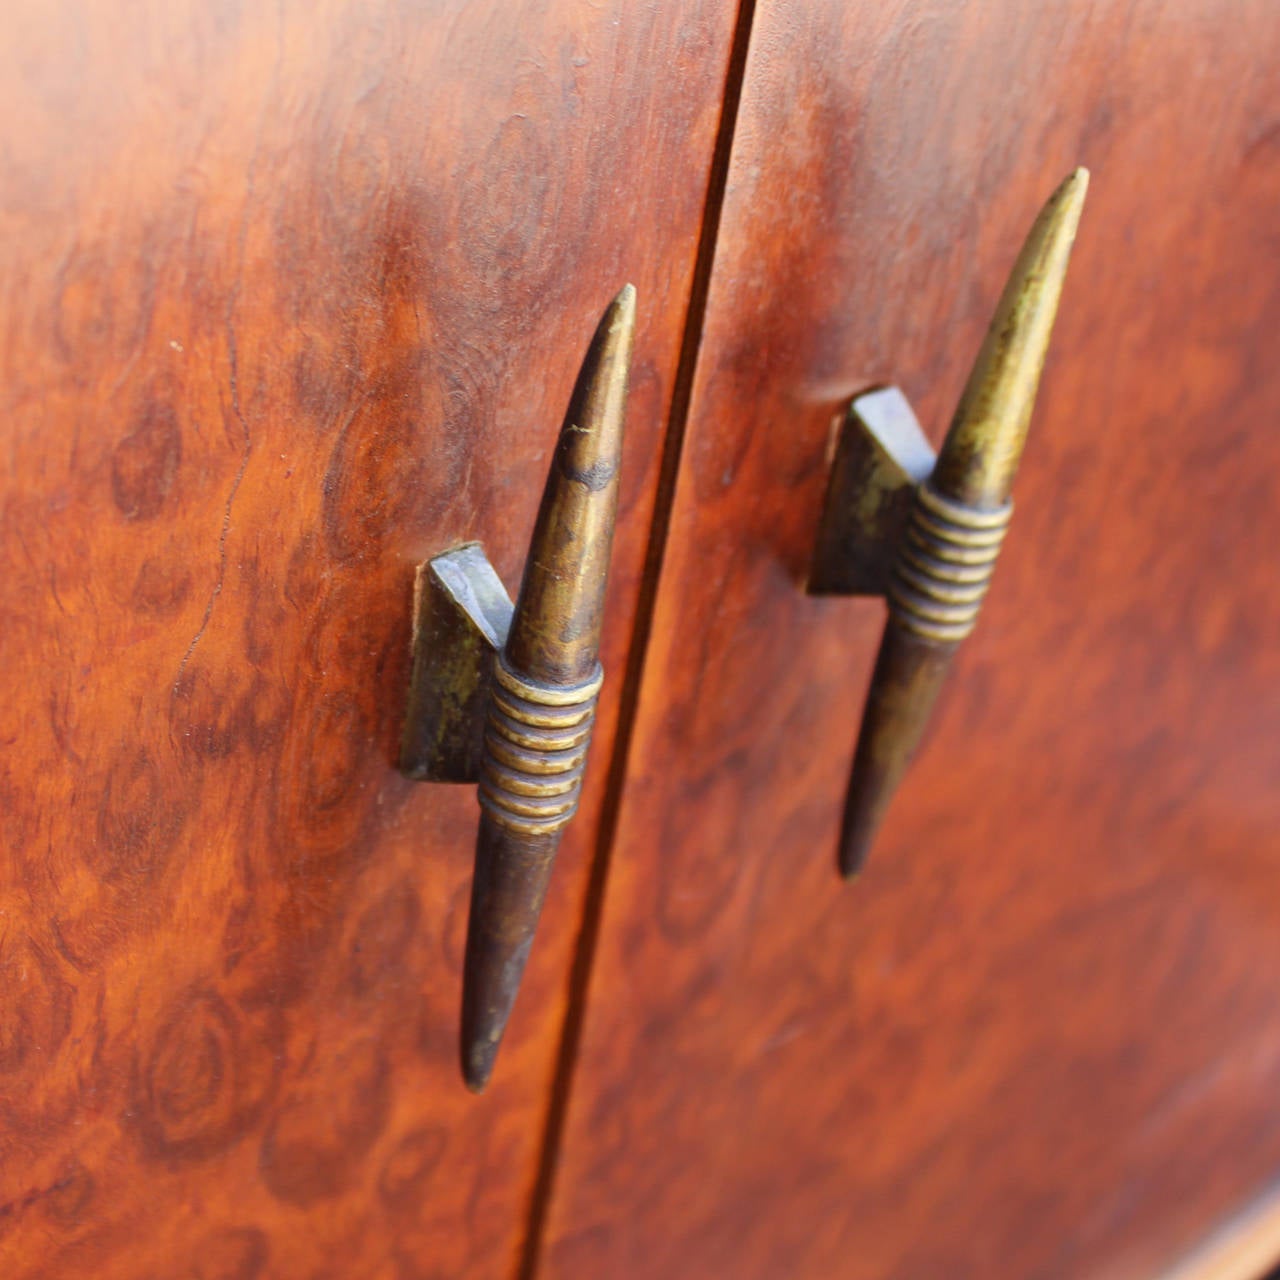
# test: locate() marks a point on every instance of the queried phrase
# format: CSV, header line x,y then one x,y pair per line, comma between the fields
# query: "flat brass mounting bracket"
x,y
881,455
462,615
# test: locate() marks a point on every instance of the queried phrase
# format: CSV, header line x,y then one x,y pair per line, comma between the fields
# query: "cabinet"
x,y
294,298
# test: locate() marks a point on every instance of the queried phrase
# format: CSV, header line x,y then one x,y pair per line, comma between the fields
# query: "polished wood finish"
x,y
293,298
1040,1036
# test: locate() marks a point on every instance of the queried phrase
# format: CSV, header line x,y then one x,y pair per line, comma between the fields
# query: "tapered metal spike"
x,y
907,679
555,636
512,872
546,681
980,454
958,521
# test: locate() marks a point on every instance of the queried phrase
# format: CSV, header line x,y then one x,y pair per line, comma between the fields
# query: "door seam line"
x,y
584,949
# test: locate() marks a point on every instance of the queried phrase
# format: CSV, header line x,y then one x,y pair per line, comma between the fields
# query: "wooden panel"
x,y
292,296
1040,1036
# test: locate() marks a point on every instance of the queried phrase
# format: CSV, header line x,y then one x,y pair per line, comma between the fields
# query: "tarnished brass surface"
x,y
980,457
547,679
555,637
945,559
462,614
881,455
535,750
507,697
940,553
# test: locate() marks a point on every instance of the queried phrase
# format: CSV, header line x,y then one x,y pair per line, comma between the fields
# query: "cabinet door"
x,y
1040,1035
293,297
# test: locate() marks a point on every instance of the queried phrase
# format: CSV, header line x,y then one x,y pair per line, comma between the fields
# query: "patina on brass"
x,y
927,536
507,697
882,455
462,614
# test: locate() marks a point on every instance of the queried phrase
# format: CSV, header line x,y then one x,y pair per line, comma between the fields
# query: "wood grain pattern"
x,y
293,296
1040,1037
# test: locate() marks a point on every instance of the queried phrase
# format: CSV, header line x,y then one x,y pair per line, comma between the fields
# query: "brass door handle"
x,y
505,695
924,531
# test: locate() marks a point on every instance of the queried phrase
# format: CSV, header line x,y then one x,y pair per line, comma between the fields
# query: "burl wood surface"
x,y
293,296
1040,1036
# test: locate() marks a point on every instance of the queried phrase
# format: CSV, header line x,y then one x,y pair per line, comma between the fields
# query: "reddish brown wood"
x,y
293,296
1040,1036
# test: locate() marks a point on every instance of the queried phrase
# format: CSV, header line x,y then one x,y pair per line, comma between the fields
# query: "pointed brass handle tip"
x,y
926,533
505,696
